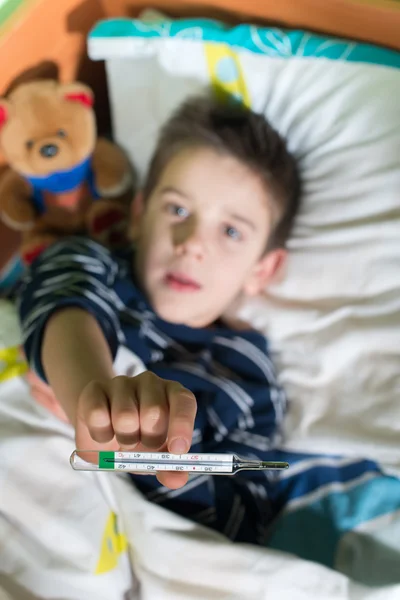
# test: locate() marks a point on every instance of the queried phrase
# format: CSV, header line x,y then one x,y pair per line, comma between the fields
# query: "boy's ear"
x,y
137,208
265,271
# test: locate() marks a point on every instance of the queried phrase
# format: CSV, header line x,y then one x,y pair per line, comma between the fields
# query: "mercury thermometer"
x,y
155,462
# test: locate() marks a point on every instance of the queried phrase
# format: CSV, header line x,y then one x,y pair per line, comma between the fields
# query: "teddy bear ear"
x,y
77,92
4,111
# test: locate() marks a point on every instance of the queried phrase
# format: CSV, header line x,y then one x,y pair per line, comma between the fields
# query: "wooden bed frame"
x,y
50,37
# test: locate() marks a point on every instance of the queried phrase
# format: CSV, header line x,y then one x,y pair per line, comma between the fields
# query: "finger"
x,y
182,413
85,442
124,412
153,409
94,411
172,480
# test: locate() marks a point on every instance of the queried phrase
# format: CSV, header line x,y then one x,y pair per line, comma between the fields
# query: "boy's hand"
x,y
144,413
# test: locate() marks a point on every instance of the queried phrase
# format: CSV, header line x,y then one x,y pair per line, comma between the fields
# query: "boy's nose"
x,y
187,238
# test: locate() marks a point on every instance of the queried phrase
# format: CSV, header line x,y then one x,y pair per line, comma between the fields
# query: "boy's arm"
x,y
74,353
69,320
80,371
74,276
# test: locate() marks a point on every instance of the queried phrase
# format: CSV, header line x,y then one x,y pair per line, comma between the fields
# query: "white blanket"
x,y
64,535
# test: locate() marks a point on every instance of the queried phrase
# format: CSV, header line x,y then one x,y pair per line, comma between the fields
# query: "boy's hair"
x,y
232,129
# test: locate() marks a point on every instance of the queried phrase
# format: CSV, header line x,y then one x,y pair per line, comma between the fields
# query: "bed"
x,y
333,321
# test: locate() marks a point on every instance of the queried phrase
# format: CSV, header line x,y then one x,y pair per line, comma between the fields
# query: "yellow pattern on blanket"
x,y
12,363
226,72
113,544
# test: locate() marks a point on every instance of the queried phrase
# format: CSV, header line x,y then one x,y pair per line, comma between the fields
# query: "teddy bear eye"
x,y
61,133
29,144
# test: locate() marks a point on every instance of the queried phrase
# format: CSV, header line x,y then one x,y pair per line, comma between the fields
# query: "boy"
x,y
210,224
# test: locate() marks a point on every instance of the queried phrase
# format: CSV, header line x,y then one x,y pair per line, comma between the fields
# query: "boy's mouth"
x,y
181,283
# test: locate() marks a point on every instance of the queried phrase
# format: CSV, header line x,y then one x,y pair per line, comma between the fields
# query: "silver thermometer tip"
x,y
274,465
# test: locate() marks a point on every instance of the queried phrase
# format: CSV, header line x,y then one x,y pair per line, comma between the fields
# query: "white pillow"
x,y
334,320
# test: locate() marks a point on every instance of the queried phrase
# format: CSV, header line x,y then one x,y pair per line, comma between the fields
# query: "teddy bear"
x,y
61,178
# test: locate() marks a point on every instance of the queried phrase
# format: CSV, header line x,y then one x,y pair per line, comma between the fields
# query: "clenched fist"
x,y
145,413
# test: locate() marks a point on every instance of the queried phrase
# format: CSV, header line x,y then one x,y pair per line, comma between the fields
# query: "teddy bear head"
x,y
46,127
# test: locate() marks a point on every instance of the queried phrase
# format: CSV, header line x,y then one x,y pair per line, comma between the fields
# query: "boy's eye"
x,y
233,233
178,211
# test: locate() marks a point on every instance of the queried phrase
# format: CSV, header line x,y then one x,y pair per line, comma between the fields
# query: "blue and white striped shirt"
x,y
240,404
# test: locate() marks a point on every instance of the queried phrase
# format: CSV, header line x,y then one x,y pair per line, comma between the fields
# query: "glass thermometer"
x,y
154,462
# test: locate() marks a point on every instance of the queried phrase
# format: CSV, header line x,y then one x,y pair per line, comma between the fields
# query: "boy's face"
x,y
201,237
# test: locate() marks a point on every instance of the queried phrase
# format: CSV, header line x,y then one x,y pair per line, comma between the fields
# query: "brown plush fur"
x,y
36,113
46,112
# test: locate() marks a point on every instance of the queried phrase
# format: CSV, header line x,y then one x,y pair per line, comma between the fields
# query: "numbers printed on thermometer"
x,y
143,462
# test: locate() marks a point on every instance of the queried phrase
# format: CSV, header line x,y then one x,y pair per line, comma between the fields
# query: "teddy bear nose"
x,y
48,150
